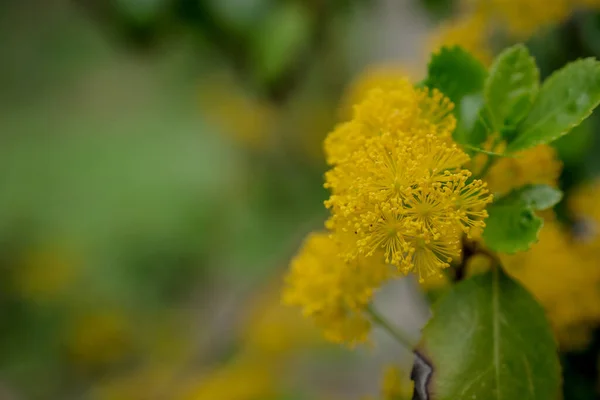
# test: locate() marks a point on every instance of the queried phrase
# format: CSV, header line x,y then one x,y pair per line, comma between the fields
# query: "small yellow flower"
x,y
247,119
333,292
565,280
99,338
383,77
470,31
242,379
395,109
522,18
44,274
271,331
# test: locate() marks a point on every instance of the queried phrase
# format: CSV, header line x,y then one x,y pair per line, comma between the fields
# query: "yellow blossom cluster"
x,y
397,182
332,291
380,76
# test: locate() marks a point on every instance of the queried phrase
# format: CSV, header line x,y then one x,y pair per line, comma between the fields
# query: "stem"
x,y
396,333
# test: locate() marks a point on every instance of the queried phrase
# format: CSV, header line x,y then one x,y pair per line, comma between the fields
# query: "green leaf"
x,y
456,73
473,127
511,87
280,40
488,339
564,101
512,224
540,197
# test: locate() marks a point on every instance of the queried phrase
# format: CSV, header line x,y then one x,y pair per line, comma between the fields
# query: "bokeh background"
x,y
160,163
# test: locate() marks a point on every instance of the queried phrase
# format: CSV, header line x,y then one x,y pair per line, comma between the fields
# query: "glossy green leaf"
x,y
564,101
488,339
511,87
512,224
456,73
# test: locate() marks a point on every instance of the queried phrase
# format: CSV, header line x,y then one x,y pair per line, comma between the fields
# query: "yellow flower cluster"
x,y
382,76
333,292
398,184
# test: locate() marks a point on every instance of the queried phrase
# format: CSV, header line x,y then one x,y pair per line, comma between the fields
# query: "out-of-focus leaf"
x,y
280,39
240,15
141,11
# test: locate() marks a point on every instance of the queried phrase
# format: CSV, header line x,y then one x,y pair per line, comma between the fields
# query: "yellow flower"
x,y
100,338
469,31
272,331
333,292
523,17
44,274
383,77
397,108
564,279
243,117
538,165
243,379
398,185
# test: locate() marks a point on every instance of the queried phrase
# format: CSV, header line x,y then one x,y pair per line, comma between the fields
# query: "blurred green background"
x,y
160,162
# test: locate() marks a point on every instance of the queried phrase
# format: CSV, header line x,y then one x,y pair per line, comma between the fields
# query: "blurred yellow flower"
x,y
478,22
44,274
522,18
272,331
538,165
243,379
247,119
470,32
563,279
148,382
99,338
333,292
381,76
